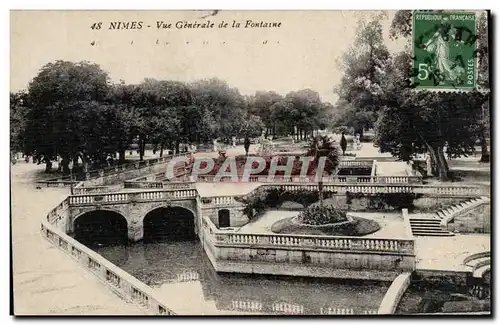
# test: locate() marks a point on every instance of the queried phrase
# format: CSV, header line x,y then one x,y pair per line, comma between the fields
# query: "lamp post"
x,y
70,166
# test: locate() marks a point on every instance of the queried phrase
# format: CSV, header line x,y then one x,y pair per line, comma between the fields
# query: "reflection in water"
x,y
184,278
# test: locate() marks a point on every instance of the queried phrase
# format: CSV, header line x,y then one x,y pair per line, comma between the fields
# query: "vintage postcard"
x,y
216,162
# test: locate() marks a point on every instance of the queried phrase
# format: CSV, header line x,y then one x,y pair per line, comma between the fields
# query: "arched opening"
x,y
172,224
224,218
101,228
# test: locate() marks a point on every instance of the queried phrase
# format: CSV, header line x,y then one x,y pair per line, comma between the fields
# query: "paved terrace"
x,y
448,253
45,280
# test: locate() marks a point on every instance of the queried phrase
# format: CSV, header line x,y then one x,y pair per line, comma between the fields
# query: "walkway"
x,y
448,253
45,280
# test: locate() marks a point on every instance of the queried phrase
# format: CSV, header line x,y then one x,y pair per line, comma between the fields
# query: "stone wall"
x,y
394,293
126,175
477,220
312,263
377,259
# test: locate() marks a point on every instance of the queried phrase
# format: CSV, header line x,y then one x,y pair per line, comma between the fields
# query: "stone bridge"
x,y
134,207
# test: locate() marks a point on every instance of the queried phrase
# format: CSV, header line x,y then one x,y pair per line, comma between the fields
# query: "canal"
x,y
186,281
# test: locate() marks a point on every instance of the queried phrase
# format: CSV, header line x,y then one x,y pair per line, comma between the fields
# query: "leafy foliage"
x,y
322,215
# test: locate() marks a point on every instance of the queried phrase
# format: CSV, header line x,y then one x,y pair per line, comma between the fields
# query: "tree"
x,y
414,122
425,121
17,120
221,104
306,110
357,118
322,146
57,102
360,87
483,83
260,105
252,126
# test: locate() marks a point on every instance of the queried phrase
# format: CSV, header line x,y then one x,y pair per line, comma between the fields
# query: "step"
x,y
440,214
463,205
424,218
437,234
478,262
426,221
480,271
427,228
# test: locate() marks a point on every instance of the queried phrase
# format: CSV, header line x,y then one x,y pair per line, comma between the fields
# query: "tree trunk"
x,y
65,164
484,132
142,146
442,165
485,153
121,156
48,165
161,151
320,190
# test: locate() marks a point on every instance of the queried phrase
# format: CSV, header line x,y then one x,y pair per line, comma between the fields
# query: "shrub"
x,y
322,215
264,198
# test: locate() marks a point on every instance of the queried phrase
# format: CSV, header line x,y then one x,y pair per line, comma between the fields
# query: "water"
x,y
187,282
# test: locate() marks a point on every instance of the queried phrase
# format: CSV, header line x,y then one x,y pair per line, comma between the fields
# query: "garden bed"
x,y
354,226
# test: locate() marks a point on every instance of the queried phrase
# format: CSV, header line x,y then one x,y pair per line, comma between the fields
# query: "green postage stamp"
x,y
444,45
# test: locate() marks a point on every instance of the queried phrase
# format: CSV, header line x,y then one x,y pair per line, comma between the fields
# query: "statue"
x,y
234,141
215,149
428,163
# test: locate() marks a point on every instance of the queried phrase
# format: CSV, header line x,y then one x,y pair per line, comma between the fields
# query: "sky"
x,y
302,53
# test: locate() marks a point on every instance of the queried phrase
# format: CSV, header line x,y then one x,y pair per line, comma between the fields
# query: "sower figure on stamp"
x,y
439,45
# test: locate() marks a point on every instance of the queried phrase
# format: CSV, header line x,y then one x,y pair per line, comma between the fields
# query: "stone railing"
x,y
119,281
142,184
66,180
113,198
158,184
334,179
355,163
307,255
334,243
447,215
80,189
219,201
452,190
339,243
431,190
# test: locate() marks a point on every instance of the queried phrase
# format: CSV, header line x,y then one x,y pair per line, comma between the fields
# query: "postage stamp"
x,y
444,45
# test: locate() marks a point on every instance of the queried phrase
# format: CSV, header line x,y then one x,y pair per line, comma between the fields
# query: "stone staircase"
x,y
447,214
436,225
428,226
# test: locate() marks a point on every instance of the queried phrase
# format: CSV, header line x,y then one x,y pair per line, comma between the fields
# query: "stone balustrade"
x,y
334,179
219,201
66,180
81,189
335,243
119,281
317,242
356,163
111,198
160,184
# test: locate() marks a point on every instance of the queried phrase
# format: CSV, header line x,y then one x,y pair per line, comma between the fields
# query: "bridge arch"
x,y
100,227
169,223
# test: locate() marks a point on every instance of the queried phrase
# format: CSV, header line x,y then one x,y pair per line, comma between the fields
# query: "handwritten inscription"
x,y
184,24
